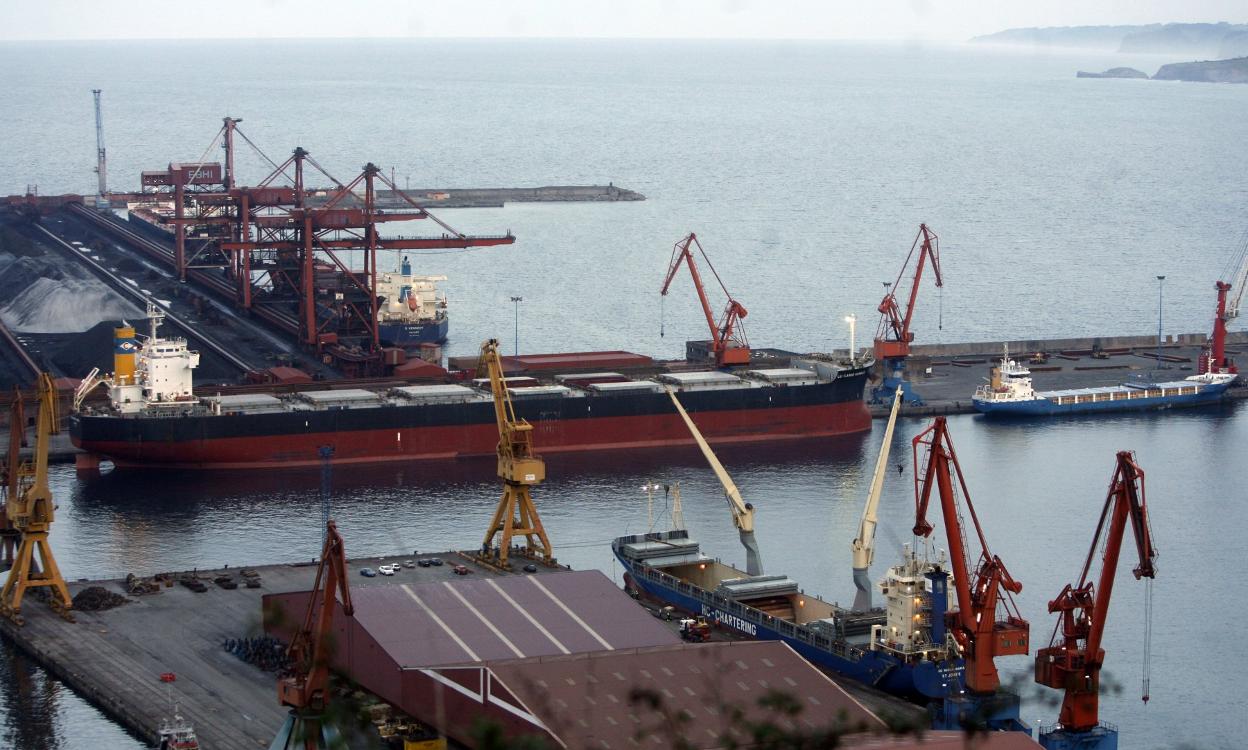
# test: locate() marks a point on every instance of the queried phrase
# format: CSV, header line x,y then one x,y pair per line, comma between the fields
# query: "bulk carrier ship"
x,y
153,417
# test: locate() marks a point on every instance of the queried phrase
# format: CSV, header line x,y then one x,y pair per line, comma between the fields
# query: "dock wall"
x,y
1056,345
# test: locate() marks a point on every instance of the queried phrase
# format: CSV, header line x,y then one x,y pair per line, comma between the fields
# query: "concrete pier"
x,y
115,658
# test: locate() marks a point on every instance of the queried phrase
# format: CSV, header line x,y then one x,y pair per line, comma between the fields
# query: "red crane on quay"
x,y
728,342
1214,359
290,259
980,634
893,337
306,691
1072,662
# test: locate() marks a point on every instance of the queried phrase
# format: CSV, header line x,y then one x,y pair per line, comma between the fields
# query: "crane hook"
x,y
662,319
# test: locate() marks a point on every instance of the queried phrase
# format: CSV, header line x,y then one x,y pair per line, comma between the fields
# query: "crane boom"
x,y
1239,277
894,335
742,512
977,629
728,342
863,545
1072,662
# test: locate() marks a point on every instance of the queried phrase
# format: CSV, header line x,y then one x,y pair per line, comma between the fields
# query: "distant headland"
x,y
1209,40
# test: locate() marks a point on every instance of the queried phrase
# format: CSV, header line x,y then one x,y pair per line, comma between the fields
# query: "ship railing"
x,y
1044,727
787,628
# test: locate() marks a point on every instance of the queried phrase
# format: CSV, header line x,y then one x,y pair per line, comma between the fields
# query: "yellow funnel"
x,y
125,346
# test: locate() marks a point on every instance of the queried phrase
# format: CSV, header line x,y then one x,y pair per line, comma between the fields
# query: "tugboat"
x,y
176,734
1010,392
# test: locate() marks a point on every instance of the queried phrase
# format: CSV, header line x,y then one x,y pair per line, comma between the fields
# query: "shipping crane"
x,y
728,342
1072,662
9,536
893,337
30,510
519,467
1214,360
306,692
980,634
863,545
742,512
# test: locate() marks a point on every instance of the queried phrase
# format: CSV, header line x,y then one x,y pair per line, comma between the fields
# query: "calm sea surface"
x,y
805,169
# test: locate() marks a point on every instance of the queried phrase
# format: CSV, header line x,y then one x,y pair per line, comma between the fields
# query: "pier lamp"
x,y
852,320
1161,281
517,300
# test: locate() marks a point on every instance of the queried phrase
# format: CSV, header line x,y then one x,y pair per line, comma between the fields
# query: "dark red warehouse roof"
x,y
469,621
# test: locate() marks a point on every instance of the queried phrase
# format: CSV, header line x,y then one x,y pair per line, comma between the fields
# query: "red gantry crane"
x,y
1072,662
893,337
1214,360
981,634
306,692
728,342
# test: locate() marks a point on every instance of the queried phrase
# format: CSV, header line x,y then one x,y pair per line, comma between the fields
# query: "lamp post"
x,y
1161,281
517,300
852,320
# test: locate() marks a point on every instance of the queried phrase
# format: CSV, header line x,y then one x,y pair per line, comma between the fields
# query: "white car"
x,y
387,570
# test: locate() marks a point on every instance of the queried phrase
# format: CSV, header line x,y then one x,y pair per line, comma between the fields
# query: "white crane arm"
x,y
864,544
88,384
742,512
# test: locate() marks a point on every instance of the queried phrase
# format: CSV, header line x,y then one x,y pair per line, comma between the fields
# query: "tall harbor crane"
x,y
1214,359
893,337
30,510
980,633
742,512
1072,662
728,342
10,471
519,467
863,545
306,691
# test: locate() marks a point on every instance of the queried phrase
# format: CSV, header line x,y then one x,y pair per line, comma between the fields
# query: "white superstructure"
x,y
1011,381
156,374
409,298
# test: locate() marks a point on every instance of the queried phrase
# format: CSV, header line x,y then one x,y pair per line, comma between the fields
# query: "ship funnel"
x,y
125,346
406,268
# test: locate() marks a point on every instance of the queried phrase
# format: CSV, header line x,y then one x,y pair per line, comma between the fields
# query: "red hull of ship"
x,y
449,442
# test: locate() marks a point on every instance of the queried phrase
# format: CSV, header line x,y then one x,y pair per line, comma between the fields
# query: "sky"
x,y
936,20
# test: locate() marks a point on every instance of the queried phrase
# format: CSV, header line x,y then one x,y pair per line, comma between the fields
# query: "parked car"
x,y
435,562
424,562
530,568
387,570
460,570
409,564
368,572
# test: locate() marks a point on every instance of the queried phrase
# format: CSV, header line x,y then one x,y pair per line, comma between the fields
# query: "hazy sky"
x,y
780,19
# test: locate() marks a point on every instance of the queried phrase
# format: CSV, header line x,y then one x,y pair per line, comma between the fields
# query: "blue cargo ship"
x,y
1010,392
411,312
902,649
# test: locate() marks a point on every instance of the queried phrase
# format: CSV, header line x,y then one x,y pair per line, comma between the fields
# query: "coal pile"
x,y
91,348
265,652
46,297
98,599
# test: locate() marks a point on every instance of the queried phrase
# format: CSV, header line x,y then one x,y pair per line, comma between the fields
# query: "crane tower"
x,y
101,161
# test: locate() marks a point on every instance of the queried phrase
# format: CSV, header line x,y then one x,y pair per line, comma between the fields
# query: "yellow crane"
x,y
863,546
519,469
742,512
31,512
